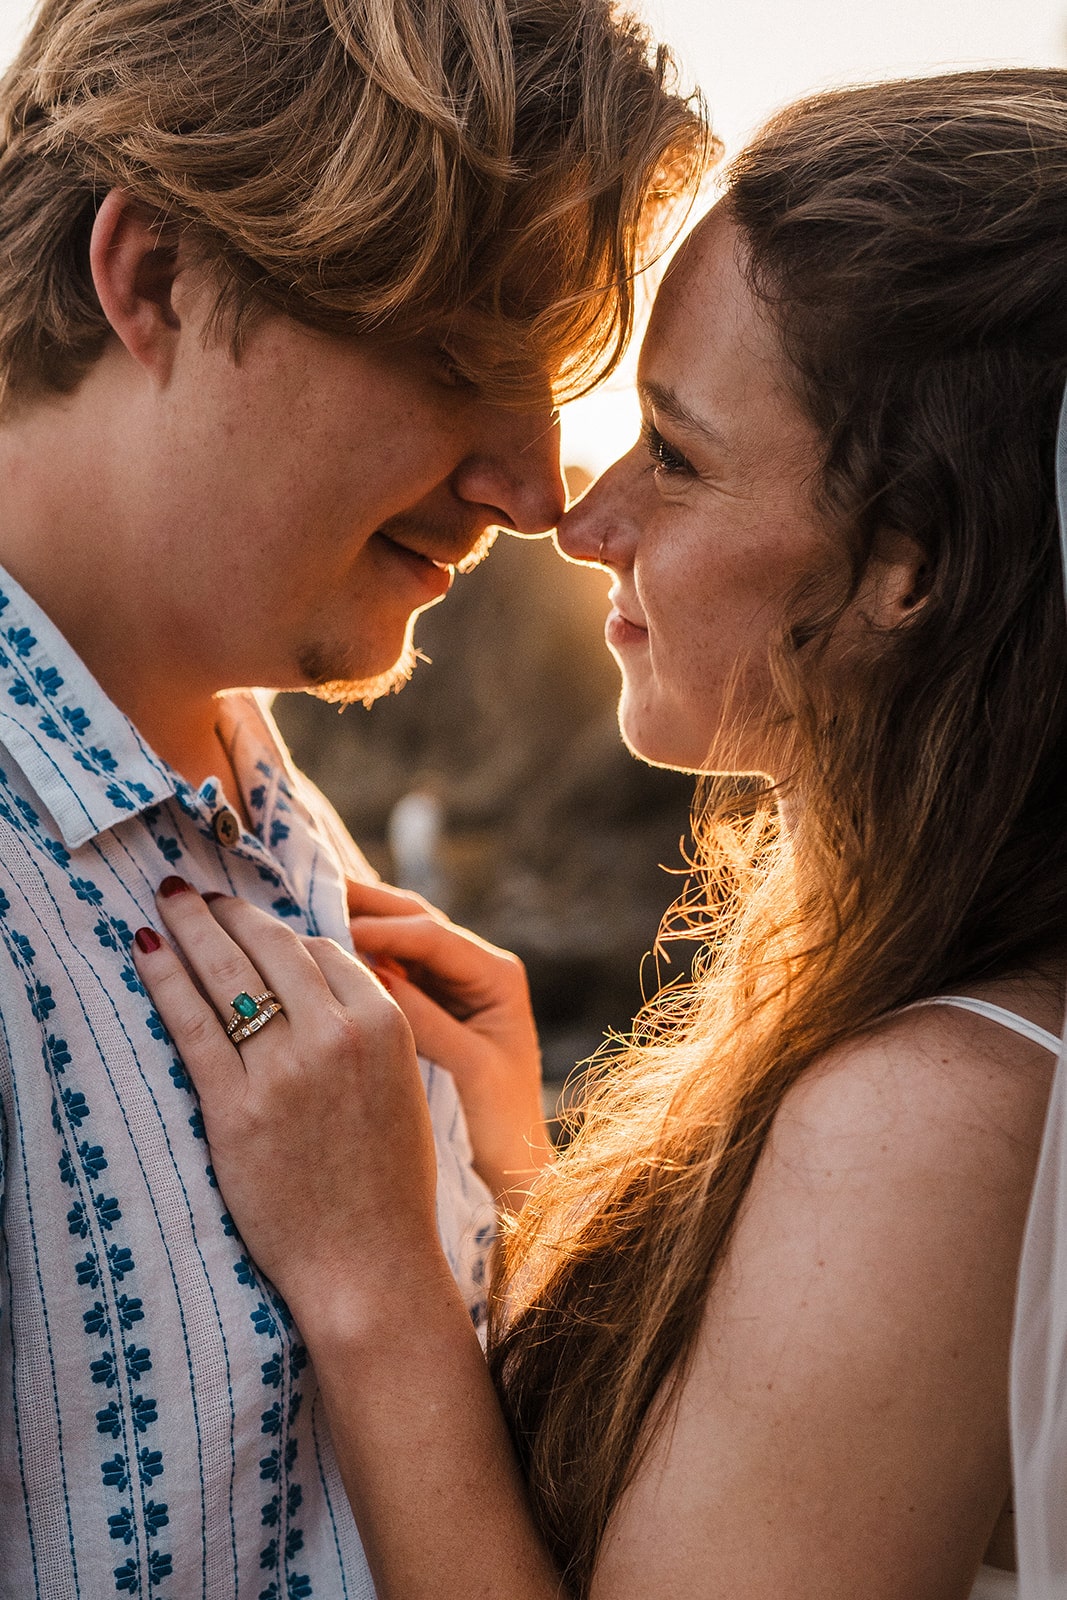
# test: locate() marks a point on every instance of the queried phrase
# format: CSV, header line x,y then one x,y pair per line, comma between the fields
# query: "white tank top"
x,y
992,1583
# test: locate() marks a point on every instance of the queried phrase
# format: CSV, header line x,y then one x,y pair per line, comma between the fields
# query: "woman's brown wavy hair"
x,y
909,242
485,172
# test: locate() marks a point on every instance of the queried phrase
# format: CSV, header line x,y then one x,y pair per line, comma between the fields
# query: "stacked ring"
x,y
250,1013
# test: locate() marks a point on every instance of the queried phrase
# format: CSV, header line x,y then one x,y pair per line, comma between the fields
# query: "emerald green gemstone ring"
x,y
250,1013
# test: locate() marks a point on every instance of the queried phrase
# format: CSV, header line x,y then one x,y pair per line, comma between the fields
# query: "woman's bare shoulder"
x,y
925,1076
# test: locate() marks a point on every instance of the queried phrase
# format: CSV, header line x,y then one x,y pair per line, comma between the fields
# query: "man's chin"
x,y
344,691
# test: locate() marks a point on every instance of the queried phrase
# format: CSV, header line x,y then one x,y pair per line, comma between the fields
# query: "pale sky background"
x,y
750,56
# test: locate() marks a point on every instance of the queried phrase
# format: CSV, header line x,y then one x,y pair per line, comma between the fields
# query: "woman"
x,y
751,1333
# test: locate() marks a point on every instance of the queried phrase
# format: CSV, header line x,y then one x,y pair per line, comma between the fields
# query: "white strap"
x,y
1006,1018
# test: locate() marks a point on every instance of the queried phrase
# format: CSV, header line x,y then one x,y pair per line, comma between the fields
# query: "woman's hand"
x,y
318,1126
468,1004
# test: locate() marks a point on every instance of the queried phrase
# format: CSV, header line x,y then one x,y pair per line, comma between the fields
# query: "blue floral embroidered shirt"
x,y
160,1432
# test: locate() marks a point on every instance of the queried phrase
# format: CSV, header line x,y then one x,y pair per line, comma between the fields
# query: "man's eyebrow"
x,y
665,400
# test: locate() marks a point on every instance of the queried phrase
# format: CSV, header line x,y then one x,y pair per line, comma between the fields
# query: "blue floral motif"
x,y
149,1464
28,812
272,1371
106,934
160,1566
144,1412
278,832
77,1106
103,1371
48,680
154,1024
268,1556
285,906
120,1260
271,1512
170,850
96,1319
58,1053
263,1322
40,998
88,1272
257,798
119,798
130,1311
298,1586
107,1211
21,693
50,728
127,1577
93,1159
103,758
155,1517
271,1421
132,981
21,641
121,1525
109,1420
244,1271
115,1473
76,720
294,1543
179,1075
138,1361
85,890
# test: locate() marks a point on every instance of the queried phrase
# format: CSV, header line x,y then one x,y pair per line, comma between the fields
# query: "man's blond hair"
x,y
485,172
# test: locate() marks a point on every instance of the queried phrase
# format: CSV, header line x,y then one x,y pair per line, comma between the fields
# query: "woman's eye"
x,y
665,457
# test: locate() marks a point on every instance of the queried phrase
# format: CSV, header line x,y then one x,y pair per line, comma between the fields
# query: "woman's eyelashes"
x,y
665,458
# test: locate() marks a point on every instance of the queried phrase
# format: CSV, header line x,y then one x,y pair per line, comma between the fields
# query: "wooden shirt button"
x,y
226,827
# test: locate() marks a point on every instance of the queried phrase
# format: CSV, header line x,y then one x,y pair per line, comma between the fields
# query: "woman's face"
x,y
707,524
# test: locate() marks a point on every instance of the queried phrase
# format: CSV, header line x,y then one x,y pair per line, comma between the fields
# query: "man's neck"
x,y
63,538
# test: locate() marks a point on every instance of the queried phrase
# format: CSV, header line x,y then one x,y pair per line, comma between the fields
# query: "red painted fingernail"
x,y
147,940
171,886
214,894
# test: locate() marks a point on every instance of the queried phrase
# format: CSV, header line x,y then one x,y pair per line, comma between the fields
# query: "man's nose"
x,y
518,477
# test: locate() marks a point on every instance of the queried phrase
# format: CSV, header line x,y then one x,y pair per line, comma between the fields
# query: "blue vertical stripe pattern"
x,y
159,1431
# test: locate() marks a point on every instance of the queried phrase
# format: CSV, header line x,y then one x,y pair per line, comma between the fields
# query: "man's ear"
x,y
897,580
134,262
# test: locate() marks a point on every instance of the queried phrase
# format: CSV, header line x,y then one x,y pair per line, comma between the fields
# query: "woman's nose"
x,y
599,527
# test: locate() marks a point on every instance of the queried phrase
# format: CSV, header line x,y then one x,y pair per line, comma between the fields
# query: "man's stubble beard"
x,y
326,679
324,674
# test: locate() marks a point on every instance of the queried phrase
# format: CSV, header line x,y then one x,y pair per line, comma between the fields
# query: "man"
x,y
285,291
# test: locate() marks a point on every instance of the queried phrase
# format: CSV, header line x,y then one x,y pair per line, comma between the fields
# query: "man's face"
x,y
308,500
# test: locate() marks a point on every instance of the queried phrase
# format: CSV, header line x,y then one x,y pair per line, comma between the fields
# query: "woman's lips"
x,y
620,631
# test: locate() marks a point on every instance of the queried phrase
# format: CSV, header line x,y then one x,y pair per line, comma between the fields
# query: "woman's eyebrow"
x,y
664,399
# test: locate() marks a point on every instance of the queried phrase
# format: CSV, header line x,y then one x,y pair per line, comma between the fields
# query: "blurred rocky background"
x,y
496,783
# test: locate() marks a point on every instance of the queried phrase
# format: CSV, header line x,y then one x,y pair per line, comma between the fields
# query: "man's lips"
x,y
434,573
